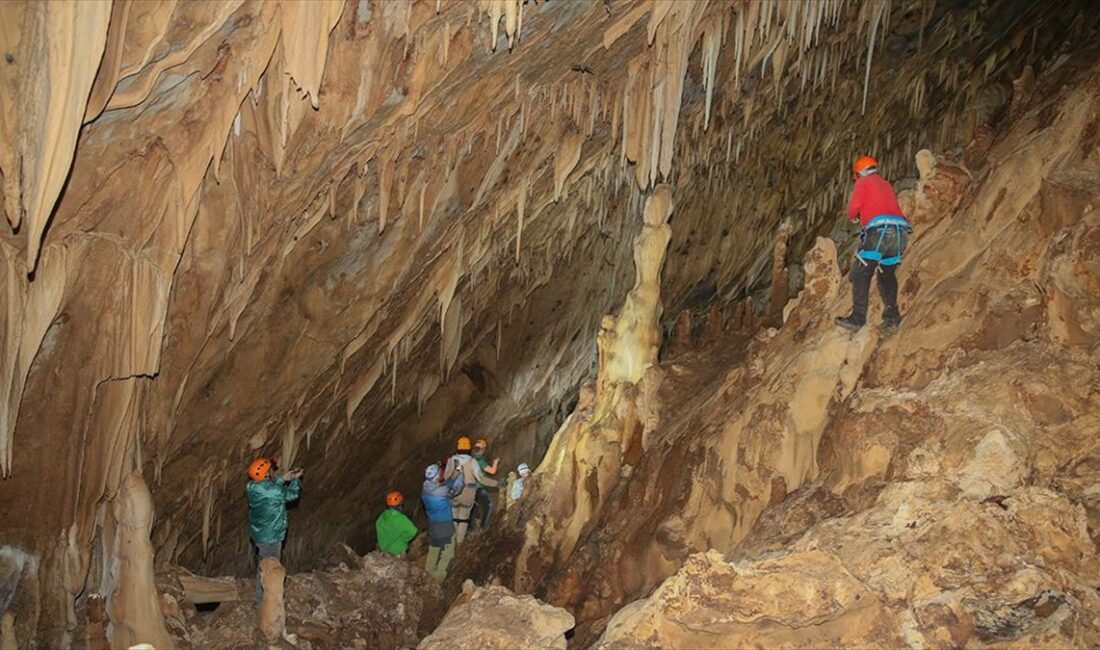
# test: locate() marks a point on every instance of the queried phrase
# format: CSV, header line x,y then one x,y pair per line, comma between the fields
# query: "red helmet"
x,y
259,469
862,163
394,499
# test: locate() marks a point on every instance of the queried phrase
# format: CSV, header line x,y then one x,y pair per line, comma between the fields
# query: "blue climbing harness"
x,y
890,233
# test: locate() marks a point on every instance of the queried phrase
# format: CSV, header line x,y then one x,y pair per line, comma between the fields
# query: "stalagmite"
x,y
636,334
8,639
135,604
273,607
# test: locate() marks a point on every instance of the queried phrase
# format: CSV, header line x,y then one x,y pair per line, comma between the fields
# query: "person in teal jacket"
x,y
395,530
267,519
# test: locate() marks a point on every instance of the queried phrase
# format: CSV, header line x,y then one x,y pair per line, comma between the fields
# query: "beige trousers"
x,y
439,561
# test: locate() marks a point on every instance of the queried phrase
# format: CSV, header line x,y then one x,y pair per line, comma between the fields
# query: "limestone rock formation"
x,y
272,608
340,232
494,617
135,606
927,489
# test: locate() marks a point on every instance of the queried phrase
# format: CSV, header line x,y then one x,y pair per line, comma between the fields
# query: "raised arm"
x,y
292,490
482,477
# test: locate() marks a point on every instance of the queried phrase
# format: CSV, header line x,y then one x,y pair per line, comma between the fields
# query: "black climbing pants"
x,y
862,273
483,508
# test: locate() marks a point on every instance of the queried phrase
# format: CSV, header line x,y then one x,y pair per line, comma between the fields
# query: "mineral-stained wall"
x,y
935,487
339,231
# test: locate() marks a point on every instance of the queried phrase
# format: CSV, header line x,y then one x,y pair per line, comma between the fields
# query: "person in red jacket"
x,y
884,233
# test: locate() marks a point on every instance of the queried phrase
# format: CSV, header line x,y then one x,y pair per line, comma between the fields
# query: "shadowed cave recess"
x,y
606,235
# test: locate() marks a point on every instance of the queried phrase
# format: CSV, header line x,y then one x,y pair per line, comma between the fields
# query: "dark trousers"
x,y
274,550
862,273
483,508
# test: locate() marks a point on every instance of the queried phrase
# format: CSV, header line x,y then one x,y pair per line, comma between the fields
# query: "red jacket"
x,y
871,197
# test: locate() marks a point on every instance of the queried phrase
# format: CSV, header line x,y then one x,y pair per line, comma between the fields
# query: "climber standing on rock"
x,y
268,494
463,464
437,494
884,233
483,501
393,527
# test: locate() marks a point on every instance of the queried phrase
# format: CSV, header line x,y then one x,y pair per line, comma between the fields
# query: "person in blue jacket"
x,y
268,495
436,495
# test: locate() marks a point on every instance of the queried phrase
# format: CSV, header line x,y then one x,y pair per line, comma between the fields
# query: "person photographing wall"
x,y
268,493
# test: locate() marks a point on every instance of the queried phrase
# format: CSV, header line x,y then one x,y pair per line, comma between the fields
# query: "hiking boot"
x,y
889,328
849,323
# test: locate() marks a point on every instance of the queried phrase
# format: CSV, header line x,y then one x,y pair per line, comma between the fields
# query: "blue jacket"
x,y
437,498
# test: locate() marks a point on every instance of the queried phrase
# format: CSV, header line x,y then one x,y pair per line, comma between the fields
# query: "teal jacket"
x,y
395,531
267,501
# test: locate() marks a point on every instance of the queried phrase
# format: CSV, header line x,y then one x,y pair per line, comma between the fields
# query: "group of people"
x,y
455,493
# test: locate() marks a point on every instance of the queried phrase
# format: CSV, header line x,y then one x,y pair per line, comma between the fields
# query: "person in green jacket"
x,y
395,530
268,495
483,501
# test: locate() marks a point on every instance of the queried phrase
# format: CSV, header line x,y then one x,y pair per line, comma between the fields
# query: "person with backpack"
x,y
462,463
437,494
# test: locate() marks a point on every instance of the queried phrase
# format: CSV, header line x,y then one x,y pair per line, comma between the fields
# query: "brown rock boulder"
x,y
494,617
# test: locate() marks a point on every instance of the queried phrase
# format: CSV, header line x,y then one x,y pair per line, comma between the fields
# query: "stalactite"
x,y
41,139
521,208
566,158
385,183
876,17
712,40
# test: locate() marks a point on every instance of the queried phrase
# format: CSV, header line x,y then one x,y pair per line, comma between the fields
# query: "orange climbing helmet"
x,y
463,444
394,499
862,163
481,442
259,469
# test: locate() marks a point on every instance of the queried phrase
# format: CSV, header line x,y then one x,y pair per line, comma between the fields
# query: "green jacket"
x,y
483,463
267,501
395,531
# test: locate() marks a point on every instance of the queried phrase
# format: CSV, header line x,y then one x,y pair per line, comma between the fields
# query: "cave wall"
x,y
338,232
